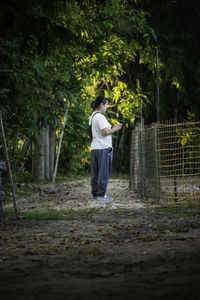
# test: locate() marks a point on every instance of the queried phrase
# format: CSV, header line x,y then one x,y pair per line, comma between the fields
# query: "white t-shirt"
x,y
99,140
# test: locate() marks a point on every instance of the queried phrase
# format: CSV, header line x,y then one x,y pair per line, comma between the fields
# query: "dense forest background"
x,y
64,53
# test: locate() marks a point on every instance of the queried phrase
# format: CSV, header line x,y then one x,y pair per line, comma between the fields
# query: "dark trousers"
x,y
101,164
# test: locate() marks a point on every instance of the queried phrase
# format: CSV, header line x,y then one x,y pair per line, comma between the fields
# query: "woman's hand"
x,y
115,128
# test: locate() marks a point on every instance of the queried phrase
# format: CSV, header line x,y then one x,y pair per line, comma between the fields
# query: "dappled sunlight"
x,y
76,195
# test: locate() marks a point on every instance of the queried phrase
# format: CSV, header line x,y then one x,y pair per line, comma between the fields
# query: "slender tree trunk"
x,y
119,146
24,151
60,143
52,141
38,156
46,153
121,142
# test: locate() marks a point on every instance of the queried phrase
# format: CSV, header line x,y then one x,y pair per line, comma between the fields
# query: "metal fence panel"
x,y
165,161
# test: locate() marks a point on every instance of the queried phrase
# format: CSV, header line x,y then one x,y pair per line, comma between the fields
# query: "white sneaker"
x,y
105,198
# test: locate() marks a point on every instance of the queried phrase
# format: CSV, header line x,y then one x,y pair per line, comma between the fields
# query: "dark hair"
x,y
100,99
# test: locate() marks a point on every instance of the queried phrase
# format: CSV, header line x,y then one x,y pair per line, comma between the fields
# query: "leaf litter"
x,y
67,246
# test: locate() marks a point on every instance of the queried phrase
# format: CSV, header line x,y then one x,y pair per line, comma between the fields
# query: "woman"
x,y
101,148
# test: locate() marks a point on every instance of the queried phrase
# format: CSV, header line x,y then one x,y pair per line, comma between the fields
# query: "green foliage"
x,y
188,135
66,52
61,51
129,38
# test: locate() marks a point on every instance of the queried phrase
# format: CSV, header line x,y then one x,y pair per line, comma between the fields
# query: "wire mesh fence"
x,y
165,161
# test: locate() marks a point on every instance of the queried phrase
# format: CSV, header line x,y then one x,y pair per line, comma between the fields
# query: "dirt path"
x,y
76,195
124,249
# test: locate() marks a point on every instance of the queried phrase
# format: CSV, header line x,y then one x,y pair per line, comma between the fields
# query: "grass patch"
x,y
52,214
180,228
49,214
8,211
173,210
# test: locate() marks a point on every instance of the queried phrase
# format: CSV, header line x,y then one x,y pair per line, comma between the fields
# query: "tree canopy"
x,y
64,53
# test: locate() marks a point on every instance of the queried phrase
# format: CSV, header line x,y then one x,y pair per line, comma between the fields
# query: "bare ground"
x,y
123,249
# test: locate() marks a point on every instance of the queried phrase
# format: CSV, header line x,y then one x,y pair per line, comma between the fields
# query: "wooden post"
x,y
157,88
9,167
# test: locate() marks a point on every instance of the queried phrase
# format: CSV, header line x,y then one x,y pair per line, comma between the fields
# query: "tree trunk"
x,y
52,141
38,156
60,143
46,153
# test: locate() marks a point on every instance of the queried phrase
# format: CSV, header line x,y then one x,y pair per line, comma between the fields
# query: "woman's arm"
x,y
115,128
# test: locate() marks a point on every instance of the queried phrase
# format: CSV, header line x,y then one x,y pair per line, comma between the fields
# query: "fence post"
x,y
131,181
141,160
157,88
134,160
157,162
